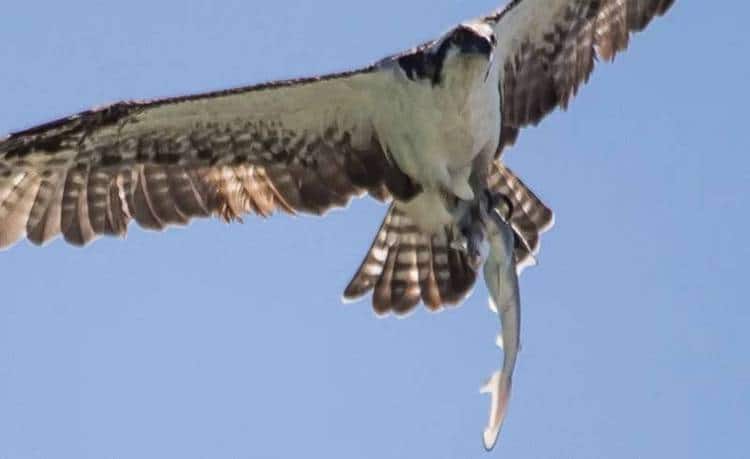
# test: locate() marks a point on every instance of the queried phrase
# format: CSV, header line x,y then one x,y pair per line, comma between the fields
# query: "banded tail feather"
x,y
405,266
530,217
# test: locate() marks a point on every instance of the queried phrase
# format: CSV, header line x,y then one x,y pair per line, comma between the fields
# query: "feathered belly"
x,y
428,210
441,150
434,135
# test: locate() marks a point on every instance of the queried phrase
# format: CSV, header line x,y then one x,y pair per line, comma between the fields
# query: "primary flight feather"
x,y
423,130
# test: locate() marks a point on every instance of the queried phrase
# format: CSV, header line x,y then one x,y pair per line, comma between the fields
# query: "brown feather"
x,y
530,216
15,208
405,266
164,162
543,74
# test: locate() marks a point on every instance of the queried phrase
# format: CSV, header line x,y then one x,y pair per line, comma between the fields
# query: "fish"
x,y
488,238
501,277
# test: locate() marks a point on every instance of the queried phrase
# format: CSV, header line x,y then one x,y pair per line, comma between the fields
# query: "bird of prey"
x,y
423,130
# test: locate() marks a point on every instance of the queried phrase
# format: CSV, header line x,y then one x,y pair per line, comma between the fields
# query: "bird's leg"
x,y
454,183
476,248
461,210
472,217
469,237
499,202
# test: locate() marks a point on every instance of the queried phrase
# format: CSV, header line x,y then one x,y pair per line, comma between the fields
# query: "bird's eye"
x,y
460,37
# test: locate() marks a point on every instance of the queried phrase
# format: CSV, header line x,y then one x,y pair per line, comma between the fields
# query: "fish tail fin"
x,y
498,386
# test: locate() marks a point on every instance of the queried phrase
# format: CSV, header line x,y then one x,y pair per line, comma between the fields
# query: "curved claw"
x,y
460,243
500,203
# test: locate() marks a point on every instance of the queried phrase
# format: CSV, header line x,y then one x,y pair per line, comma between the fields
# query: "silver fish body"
x,y
489,238
501,278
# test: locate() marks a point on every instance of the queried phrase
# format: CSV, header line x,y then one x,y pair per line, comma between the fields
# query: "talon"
x,y
500,203
460,244
475,261
469,244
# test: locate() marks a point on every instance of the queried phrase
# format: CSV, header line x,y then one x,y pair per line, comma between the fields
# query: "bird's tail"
x,y
530,217
405,265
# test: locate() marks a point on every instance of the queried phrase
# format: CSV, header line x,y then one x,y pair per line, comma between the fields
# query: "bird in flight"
x,y
424,131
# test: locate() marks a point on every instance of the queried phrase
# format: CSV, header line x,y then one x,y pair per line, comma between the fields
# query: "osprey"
x,y
423,130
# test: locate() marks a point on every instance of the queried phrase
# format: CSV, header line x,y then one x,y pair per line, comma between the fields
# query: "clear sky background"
x,y
230,341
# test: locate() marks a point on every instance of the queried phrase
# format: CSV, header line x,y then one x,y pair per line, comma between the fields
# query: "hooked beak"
x,y
490,62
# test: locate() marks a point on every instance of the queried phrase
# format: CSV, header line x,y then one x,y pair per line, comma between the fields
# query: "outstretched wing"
x,y
547,49
300,145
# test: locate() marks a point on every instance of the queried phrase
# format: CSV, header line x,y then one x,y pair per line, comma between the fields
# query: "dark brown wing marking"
x,y
544,73
162,163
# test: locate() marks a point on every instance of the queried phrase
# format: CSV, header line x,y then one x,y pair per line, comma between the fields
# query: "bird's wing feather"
x,y
547,49
301,145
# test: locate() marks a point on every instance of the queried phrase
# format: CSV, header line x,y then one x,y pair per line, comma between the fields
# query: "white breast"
x,y
434,133
446,126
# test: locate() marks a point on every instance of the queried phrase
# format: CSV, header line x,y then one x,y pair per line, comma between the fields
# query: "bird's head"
x,y
472,39
466,48
470,47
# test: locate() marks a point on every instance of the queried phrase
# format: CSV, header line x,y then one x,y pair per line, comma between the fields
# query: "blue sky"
x,y
230,341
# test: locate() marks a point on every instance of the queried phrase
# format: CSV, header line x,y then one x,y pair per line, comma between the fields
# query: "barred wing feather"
x,y
300,145
547,49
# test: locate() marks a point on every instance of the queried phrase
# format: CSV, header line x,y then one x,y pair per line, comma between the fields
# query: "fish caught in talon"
x,y
460,244
501,278
424,130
